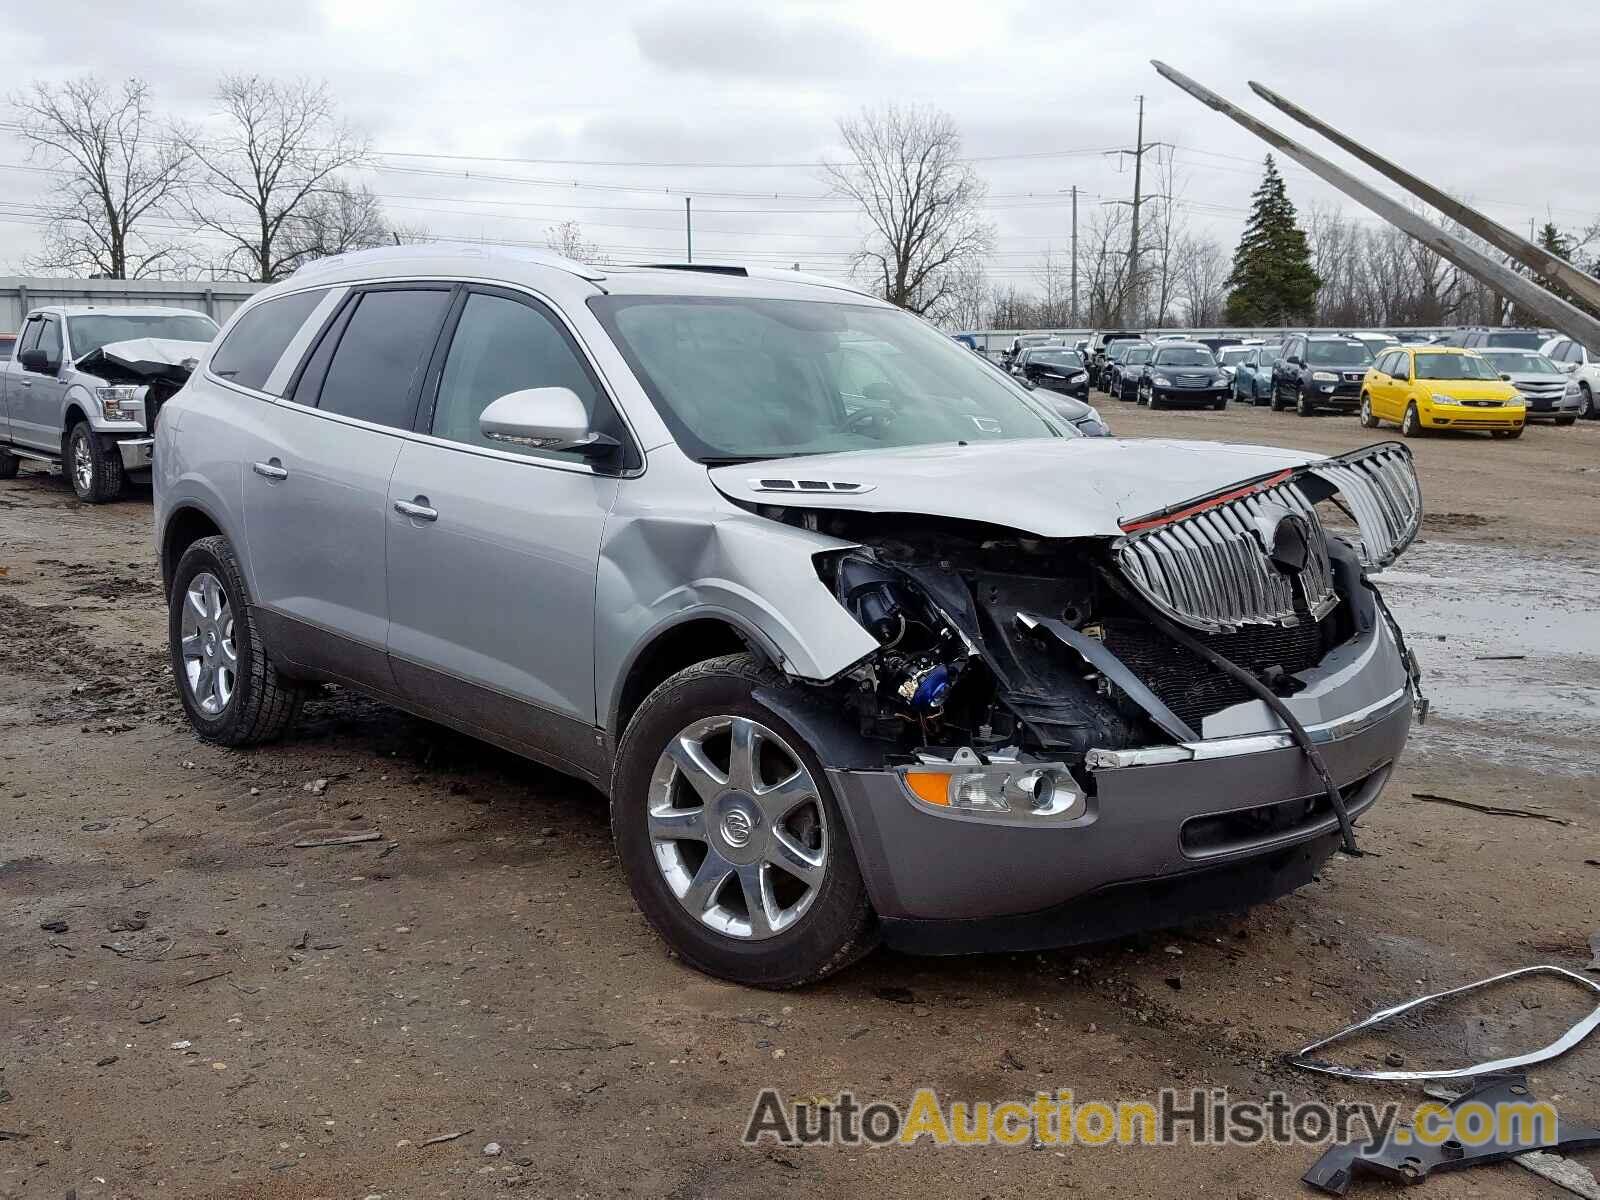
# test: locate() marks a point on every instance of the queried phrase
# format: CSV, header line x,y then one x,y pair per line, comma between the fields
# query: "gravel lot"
x,y
224,1015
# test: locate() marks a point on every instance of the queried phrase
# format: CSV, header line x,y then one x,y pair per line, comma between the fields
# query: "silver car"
x,y
861,641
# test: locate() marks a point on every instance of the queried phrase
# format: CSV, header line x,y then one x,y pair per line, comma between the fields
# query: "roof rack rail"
x,y
706,268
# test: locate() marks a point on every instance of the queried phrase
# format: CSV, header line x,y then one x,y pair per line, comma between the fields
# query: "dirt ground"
x,y
212,1012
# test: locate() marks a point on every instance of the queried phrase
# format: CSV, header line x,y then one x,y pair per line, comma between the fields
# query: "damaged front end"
x,y
1080,736
1002,648
141,375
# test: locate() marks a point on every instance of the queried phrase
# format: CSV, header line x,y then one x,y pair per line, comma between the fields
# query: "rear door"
x,y
493,548
316,480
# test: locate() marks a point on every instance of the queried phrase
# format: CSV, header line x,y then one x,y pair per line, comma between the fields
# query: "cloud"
x,y
757,42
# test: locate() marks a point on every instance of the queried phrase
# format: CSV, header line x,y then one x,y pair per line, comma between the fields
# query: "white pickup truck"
x,y
83,387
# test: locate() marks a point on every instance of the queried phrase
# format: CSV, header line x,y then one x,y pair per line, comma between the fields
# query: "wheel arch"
x,y
185,525
689,637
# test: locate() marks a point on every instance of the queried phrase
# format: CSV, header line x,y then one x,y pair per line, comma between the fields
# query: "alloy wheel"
x,y
210,657
738,827
83,465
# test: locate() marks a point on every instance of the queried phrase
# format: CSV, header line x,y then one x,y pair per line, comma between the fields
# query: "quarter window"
x,y
259,337
382,354
500,346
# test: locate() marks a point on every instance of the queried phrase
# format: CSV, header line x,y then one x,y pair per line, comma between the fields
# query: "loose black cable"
x,y
1262,691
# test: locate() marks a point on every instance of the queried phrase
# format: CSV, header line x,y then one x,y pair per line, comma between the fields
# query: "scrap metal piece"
x,y
1404,1158
1548,307
1552,267
1587,1025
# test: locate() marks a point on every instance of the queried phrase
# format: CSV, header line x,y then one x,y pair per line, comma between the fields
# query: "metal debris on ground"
x,y
1563,1172
444,1137
1587,1025
1494,810
349,839
1409,1161
1594,952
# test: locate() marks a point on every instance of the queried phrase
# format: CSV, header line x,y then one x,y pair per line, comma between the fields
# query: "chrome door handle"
x,y
416,510
269,470
25,382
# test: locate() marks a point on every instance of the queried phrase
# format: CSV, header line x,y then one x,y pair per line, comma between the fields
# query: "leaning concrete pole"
x,y
1551,266
1572,321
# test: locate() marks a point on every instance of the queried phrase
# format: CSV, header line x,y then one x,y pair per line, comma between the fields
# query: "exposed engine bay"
x,y
1011,645
161,365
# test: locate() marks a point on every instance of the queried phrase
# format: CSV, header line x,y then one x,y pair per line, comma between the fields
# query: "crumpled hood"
x,y
1050,487
146,358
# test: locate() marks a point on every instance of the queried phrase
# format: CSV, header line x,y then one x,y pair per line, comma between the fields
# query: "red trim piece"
x,y
1248,489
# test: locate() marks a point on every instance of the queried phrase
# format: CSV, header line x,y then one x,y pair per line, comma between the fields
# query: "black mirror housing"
x,y
35,359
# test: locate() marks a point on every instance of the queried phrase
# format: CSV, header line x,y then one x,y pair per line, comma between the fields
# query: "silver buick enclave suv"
x,y
862,642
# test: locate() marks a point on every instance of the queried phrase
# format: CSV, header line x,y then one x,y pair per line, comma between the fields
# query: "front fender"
x,y
659,568
81,396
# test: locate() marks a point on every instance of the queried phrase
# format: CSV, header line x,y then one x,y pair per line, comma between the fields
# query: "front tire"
x,y
734,846
1276,402
231,692
1587,409
1368,421
1411,423
1302,406
1565,421
9,463
95,472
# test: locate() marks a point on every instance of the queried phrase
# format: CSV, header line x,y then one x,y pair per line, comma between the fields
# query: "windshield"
x,y
1139,354
1117,351
1521,362
1520,341
1340,354
744,378
1453,366
1233,354
88,334
1057,358
1185,356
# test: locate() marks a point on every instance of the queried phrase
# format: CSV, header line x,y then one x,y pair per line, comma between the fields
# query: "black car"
x,y
1317,371
1124,371
1100,342
1497,337
1057,368
1183,374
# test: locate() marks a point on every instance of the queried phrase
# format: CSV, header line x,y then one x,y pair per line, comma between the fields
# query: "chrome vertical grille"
x,y
1214,571
1379,486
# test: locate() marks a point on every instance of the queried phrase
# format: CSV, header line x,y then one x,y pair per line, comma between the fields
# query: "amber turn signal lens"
x,y
931,786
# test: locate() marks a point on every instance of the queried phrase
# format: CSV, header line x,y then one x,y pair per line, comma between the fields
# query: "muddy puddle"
x,y
1510,649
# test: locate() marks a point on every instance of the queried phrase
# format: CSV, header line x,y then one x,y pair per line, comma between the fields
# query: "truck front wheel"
x,y
96,472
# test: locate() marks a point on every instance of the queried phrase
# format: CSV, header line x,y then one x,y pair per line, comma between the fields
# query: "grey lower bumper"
x,y
1147,820
136,453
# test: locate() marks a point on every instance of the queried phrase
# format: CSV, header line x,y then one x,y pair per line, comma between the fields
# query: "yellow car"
x,y
1439,387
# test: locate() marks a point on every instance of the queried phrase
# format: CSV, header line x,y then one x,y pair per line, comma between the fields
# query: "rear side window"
x,y
259,338
382,355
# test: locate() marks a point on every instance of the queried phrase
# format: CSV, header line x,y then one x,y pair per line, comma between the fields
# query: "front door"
x,y
316,483
493,547
34,398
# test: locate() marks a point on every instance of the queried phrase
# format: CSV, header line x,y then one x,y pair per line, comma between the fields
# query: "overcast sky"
x,y
610,113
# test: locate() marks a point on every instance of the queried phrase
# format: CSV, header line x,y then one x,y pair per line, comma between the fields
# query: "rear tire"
x,y
95,472
1411,423
209,605
834,925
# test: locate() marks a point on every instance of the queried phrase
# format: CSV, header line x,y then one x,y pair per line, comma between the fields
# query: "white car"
x,y
1582,368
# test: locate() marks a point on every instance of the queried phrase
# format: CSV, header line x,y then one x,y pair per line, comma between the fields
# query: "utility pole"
x,y
1133,240
688,229
1074,256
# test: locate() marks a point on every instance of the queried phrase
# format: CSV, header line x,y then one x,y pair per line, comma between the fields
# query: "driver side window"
x,y
50,339
503,345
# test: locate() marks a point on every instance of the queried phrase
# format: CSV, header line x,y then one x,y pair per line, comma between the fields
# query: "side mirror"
x,y
35,359
1506,377
1293,361
1568,367
549,418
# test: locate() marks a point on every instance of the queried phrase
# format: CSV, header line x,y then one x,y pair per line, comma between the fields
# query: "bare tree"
x,y
1103,264
968,298
278,145
1202,267
333,220
119,171
1167,232
923,203
1054,278
567,240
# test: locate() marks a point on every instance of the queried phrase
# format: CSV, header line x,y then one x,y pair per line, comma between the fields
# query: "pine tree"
x,y
1552,239
1272,282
